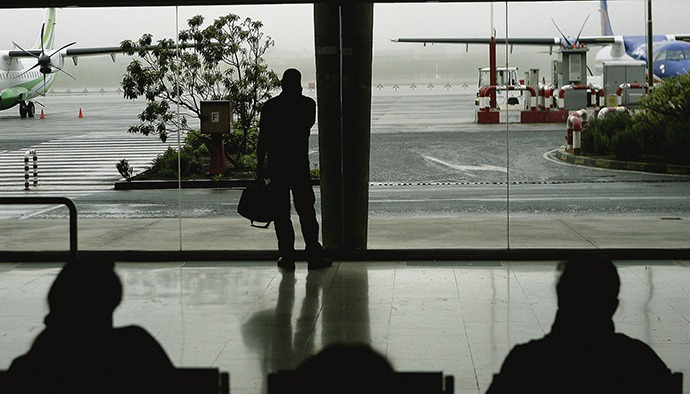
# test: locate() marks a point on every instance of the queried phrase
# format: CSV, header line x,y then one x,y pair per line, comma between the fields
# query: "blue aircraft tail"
x,y
606,29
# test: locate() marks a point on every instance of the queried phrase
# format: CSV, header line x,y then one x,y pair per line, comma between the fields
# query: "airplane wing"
x,y
111,50
68,52
75,53
93,51
534,41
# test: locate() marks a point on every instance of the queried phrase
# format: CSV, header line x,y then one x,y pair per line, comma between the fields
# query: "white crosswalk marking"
x,y
78,165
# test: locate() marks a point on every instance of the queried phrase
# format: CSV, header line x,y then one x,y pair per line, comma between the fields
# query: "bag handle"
x,y
257,226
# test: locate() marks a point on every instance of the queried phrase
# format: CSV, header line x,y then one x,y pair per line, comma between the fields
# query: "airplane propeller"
x,y
581,28
44,60
571,44
562,34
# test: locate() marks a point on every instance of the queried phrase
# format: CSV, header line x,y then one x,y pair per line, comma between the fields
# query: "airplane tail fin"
x,y
47,33
606,29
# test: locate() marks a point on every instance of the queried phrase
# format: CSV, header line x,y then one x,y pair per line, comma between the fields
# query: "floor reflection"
x,y
250,319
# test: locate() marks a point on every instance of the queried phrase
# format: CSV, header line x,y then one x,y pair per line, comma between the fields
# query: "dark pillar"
x,y
343,40
357,34
327,49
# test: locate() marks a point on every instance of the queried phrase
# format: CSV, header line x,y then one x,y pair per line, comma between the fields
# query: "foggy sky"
x,y
291,26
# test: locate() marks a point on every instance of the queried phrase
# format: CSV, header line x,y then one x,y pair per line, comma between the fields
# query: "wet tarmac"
x,y
429,160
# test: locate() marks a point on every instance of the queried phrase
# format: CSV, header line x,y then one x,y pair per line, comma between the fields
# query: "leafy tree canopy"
x,y
222,61
658,131
670,100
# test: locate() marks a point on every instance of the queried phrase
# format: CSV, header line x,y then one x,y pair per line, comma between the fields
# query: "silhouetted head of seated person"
x,y
587,292
583,353
80,351
345,369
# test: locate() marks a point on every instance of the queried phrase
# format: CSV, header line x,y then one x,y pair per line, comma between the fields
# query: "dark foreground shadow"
x,y
583,353
80,351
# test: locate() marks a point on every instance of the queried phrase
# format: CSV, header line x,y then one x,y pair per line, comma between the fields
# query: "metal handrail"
x,y
52,200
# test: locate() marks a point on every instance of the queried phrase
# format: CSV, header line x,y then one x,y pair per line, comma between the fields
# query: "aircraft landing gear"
x,y
27,109
23,110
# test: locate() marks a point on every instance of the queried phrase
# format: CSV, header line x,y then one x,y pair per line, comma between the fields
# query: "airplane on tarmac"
x,y
26,74
671,53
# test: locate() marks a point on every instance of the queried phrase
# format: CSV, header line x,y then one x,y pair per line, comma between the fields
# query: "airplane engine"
x,y
9,98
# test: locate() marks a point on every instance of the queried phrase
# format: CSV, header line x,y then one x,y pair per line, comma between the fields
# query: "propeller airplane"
x,y
27,74
671,53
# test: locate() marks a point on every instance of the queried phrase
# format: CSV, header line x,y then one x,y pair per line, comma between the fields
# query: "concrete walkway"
x,y
234,238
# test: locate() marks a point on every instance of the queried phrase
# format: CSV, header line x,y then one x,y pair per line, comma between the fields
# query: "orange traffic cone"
x,y
81,114
43,115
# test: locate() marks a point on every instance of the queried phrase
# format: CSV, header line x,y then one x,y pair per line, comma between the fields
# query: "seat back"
x,y
186,381
420,382
282,382
202,381
677,381
4,383
416,382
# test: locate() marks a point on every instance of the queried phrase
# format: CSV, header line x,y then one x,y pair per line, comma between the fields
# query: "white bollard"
x,y
28,153
577,135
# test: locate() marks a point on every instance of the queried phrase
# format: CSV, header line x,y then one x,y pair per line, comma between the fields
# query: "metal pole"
x,y
492,72
650,48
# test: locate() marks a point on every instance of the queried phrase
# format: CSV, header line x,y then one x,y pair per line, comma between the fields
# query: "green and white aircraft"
x,y
26,74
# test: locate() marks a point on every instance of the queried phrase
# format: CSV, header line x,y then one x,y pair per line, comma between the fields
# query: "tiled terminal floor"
x,y
250,319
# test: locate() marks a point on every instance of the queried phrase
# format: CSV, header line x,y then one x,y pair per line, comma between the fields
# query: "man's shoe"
x,y
319,264
286,264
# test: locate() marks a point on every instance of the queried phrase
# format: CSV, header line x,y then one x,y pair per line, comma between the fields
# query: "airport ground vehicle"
x,y
504,76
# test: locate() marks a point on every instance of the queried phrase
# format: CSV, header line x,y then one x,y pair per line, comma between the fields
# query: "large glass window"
x,y
513,183
444,173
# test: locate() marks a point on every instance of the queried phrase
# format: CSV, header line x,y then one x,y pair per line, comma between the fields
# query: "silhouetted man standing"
x,y
582,353
284,129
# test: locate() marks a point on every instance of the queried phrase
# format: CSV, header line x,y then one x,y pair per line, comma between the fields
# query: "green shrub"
x,y
663,123
595,142
166,164
651,134
125,169
626,146
658,131
196,143
248,161
677,145
600,137
239,150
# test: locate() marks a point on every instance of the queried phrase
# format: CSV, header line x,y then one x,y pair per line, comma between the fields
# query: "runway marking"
x,y
78,165
523,199
482,167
